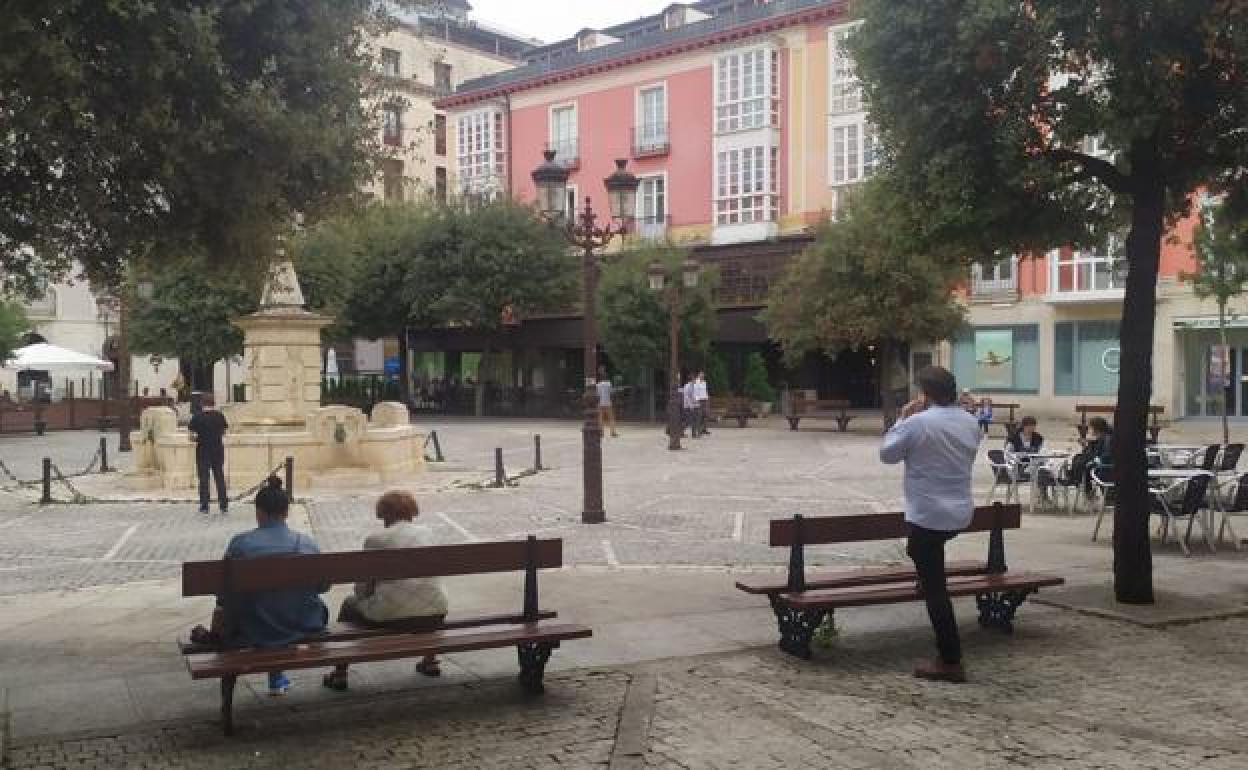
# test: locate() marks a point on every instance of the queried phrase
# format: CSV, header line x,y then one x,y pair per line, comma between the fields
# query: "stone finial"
x,y
281,290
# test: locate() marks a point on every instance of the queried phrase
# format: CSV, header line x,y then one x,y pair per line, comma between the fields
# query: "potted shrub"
x,y
756,386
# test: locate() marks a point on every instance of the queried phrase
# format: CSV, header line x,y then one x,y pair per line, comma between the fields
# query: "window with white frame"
x,y
563,132
844,88
852,151
652,206
479,149
652,116
746,84
1083,271
745,185
1001,275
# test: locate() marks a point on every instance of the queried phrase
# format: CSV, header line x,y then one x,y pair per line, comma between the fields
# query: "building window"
x,y
480,151
439,184
439,134
1086,271
390,63
573,204
745,90
998,358
852,151
392,126
652,207
745,186
1086,358
563,133
651,131
991,280
442,76
392,180
844,88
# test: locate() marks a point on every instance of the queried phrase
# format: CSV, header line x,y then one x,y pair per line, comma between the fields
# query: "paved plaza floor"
x,y
682,670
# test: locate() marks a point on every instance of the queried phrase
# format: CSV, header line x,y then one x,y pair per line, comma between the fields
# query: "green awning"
x,y
1210,322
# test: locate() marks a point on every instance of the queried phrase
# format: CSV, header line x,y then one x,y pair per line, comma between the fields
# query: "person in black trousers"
x,y
208,427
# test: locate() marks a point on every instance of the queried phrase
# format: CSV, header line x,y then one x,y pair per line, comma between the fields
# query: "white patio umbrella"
x,y
331,365
42,356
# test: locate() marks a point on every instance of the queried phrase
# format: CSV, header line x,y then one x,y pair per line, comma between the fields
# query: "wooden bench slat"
x,y
341,632
327,654
822,530
854,577
858,596
207,578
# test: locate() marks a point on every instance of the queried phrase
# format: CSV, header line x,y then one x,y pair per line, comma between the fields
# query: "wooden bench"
x,y
800,603
345,643
800,407
1154,426
1009,422
732,407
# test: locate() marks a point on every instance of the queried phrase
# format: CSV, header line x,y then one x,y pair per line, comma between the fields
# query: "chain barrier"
x,y
23,483
79,498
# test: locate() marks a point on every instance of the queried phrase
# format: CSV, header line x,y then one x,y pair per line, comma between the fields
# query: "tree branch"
x,y
1093,167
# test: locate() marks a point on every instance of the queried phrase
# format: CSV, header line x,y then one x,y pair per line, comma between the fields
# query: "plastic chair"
x,y
1172,507
1209,459
1004,473
1237,506
1103,483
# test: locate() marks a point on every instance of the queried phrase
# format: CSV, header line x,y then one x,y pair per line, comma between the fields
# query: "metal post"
x,y
104,454
537,452
123,374
674,401
437,447
500,475
290,477
47,481
591,431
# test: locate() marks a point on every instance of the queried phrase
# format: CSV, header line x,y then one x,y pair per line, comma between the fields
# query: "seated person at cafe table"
x,y
1025,440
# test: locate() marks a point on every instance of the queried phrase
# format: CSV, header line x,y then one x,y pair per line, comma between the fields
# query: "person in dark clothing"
x,y
1026,440
1097,453
208,427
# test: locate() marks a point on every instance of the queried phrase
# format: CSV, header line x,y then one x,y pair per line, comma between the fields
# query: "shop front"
x,y
1212,374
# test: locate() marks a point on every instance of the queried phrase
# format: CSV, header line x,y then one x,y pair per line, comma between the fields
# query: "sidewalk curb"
x,y
1158,625
632,735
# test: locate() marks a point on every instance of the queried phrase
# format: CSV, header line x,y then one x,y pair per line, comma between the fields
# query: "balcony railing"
x,y
993,289
567,152
650,140
1086,277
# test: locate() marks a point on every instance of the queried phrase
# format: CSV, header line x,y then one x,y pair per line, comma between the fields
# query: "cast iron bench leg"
x,y
227,704
741,420
533,657
842,423
797,627
793,421
996,610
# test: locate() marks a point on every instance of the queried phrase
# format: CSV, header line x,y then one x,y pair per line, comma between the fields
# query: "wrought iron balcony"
x,y
567,152
651,140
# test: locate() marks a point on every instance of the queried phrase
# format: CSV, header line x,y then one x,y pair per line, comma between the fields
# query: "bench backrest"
x,y
270,573
823,530
1086,409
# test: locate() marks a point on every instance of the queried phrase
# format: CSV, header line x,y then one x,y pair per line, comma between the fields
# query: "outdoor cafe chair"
x,y
1184,499
1237,505
1103,483
1004,474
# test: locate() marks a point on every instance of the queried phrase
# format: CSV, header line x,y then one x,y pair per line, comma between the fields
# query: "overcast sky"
x,y
551,20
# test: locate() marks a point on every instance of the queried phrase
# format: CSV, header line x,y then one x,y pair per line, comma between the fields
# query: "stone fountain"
x,y
283,416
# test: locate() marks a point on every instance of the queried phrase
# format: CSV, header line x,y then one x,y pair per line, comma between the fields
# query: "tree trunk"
x,y
1133,559
887,403
1226,363
405,374
479,396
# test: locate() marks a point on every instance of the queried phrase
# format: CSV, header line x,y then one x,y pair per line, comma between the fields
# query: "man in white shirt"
x,y
606,412
938,441
703,398
689,397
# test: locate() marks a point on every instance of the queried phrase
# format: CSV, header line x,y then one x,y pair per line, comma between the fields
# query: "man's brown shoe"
x,y
939,671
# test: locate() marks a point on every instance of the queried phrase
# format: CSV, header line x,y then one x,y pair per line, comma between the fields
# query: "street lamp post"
x,y
582,230
675,291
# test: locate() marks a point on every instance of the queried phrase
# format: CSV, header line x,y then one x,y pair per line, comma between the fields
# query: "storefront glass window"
x,y
998,358
1086,358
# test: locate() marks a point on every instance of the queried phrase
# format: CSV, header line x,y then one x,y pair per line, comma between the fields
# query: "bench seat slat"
x,y
341,632
326,654
859,596
854,577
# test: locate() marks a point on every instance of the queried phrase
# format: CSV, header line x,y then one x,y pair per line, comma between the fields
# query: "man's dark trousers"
x,y
927,548
209,459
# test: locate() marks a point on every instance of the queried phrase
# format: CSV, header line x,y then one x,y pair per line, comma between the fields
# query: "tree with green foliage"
x,y
13,325
635,320
866,281
190,312
718,378
987,110
756,385
147,131
1220,248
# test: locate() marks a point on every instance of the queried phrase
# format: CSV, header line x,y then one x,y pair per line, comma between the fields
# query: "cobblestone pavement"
x,y
1066,691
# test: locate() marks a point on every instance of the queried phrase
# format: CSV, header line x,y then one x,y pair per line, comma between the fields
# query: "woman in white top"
x,y
416,604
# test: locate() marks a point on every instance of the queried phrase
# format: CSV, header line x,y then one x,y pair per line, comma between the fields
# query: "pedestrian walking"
x,y
938,441
703,398
208,428
690,398
606,412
